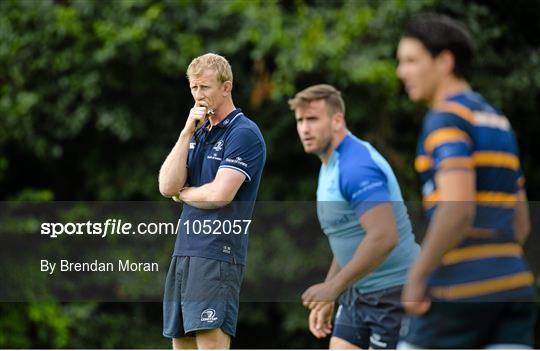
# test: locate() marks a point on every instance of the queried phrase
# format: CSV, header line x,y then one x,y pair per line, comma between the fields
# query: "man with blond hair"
x,y
361,210
214,169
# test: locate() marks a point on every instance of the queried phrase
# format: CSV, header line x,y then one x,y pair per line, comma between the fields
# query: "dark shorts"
x,y
370,320
455,325
201,294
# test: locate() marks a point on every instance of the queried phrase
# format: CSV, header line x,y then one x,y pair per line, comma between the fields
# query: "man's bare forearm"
x,y
522,221
173,172
369,255
446,230
202,197
218,193
333,270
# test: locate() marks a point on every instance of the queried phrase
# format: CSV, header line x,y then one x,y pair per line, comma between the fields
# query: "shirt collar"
x,y
343,141
227,121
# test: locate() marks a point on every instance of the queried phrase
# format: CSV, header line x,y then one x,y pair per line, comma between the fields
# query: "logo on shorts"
x,y
375,339
208,315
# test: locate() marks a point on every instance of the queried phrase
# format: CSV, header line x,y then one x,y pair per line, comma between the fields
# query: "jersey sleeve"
x,y
244,152
364,186
448,142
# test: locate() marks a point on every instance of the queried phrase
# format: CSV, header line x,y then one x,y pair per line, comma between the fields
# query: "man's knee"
x,y
213,339
187,342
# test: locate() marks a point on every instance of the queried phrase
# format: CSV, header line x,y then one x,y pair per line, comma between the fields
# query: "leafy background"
x,y
93,96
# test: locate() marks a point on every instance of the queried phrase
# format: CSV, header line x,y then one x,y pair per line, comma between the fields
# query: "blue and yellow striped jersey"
x,y
465,132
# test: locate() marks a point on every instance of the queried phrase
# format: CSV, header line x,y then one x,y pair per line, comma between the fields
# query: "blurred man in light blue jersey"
x,y
361,210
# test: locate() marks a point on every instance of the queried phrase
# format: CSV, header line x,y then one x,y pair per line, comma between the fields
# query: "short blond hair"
x,y
331,96
217,63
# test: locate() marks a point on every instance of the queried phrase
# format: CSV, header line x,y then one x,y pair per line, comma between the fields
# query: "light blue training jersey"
x,y
355,179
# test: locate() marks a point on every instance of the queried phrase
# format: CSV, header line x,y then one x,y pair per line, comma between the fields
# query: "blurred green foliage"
x,y
93,96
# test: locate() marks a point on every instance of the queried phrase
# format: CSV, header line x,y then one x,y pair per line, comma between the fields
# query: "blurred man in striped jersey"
x,y
470,286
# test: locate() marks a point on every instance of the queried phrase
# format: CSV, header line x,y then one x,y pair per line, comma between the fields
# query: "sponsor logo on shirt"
x,y
213,157
366,186
192,145
237,160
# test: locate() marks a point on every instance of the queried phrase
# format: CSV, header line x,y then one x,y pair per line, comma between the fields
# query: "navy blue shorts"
x,y
469,325
370,320
201,294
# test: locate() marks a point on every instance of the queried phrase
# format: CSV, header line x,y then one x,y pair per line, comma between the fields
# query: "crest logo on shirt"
x,y
219,146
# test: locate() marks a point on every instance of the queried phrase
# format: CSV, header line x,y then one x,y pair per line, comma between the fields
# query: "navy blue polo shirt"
x,y
222,234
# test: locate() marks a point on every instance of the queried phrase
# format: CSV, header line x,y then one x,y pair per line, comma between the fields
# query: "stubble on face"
x,y
314,127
